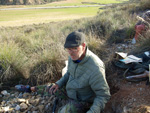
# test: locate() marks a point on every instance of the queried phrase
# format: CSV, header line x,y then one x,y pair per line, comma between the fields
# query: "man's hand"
x,y
53,89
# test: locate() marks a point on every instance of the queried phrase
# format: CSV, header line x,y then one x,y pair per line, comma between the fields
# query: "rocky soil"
x,y
19,102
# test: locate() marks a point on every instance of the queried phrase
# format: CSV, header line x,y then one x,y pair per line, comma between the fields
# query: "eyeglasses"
x,y
75,49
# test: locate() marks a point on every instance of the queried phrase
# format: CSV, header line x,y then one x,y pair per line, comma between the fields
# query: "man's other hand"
x,y
53,89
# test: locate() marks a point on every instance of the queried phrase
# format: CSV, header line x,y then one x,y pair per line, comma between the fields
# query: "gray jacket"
x,y
85,81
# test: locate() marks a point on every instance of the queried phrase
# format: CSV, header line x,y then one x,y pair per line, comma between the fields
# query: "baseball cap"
x,y
74,39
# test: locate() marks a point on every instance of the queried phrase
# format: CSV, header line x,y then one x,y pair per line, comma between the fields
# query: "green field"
x,y
26,17
80,2
70,3
36,16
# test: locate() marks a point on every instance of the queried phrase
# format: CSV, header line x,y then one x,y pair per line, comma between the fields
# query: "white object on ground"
x,y
123,55
131,58
147,53
133,41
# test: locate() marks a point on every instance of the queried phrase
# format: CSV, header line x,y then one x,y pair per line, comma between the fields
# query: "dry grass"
x,y
143,43
36,51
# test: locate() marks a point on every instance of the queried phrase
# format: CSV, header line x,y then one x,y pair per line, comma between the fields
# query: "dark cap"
x,y
74,39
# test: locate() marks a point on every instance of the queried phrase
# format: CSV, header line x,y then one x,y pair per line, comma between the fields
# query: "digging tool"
x,y
55,103
149,72
145,74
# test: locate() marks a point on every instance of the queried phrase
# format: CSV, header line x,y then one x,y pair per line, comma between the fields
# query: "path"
x,y
55,7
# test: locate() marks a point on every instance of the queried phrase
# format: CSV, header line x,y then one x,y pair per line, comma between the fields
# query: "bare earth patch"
x,y
127,97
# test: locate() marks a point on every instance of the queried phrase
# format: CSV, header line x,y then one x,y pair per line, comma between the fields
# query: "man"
x,y
85,77
142,25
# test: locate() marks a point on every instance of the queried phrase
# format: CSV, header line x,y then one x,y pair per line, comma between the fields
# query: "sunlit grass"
x,y
68,3
26,17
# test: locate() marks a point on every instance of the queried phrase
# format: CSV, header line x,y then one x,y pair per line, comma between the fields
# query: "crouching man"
x,y
84,80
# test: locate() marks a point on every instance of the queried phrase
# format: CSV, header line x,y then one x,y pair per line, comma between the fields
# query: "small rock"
x,y
21,100
12,95
26,95
148,109
43,101
34,109
41,107
8,94
6,108
16,94
27,102
15,100
4,92
23,106
34,102
141,89
3,103
20,95
1,96
33,97
47,106
17,107
38,96
13,105
13,111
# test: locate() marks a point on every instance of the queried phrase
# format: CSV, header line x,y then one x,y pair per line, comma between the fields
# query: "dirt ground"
x,y
127,97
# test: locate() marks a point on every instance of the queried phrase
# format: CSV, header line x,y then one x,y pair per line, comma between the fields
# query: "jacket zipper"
x,y
75,70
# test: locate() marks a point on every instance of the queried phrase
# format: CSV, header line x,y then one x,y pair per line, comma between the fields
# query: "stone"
x,y
34,109
34,112
17,107
21,100
23,106
47,106
41,107
3,103
12,95
1,96
4,92
34,102
26,95
20,95
43,101
6,108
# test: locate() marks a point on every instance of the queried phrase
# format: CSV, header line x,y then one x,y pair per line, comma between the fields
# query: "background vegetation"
x,y
34,54
56,2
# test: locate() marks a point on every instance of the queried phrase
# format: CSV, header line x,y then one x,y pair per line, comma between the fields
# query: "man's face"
x,y
76,52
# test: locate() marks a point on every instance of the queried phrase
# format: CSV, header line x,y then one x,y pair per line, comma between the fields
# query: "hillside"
x,y
25,2
34,55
